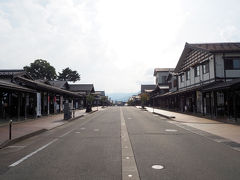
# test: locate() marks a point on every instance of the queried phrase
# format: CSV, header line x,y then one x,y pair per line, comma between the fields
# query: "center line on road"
x,y
129,168
31,154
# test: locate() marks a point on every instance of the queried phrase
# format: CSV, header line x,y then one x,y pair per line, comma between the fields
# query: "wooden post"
x,y
19,105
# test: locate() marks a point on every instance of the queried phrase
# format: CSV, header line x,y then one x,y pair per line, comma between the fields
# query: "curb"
x,y
21,138
168,117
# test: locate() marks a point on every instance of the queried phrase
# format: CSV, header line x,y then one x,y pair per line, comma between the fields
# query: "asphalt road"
x,y
91,148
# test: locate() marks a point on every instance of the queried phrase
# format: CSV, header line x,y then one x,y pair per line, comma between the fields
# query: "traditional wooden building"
x,y
83,90
207,80
23,97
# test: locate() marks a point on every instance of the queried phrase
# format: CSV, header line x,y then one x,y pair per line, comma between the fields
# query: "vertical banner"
x,y
39,104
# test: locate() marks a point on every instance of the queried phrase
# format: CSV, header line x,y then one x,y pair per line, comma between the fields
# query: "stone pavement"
x,y
225,130
21,129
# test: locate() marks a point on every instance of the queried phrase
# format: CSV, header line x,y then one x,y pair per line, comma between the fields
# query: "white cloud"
x,y
111,43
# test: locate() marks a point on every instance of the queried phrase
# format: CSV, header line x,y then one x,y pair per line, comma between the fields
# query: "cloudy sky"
x,y
115,44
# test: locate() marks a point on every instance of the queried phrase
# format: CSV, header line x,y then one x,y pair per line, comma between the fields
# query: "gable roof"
x,y
10,73
14,87
81,87
42,86
59,84
147,87
217,47
162,70
208,48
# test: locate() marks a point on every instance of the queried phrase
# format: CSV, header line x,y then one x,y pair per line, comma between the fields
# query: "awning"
x,y
44,87
14,87
222,85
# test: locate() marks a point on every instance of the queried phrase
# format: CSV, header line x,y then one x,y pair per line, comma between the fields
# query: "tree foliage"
x,y
69,75
41,69
90,98
144,99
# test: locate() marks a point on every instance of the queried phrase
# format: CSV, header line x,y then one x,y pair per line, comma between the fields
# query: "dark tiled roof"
x,y
147,87
15,87
42,86
10,73
59,84
217,47
222,85
207,48
81,87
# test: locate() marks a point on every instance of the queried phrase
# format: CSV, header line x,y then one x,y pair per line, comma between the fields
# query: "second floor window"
x,y
206,67
182,77
232,64
197,71
174,83
188,75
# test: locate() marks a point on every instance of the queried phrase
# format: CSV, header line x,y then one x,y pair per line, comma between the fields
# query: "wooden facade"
x,y
206,83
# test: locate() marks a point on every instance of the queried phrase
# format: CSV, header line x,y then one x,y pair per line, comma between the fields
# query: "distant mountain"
x,y
120,96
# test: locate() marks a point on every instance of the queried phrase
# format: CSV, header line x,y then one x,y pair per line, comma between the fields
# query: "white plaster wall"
x,y
206,77
197,79
232,73
211,68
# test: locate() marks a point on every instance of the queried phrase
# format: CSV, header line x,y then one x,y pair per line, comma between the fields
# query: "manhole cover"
x,y
157,167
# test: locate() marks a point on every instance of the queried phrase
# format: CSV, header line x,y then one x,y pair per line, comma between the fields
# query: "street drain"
x,y
157,167
170,130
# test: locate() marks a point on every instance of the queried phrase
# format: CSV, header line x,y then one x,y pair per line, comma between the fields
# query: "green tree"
x,y
69,75
90,98
41,69
103,100
144,99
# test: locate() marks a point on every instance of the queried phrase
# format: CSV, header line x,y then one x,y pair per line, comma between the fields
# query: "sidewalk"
x,y
227,131
22,130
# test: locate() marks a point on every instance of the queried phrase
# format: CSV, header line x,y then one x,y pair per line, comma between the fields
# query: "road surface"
x,y
119,143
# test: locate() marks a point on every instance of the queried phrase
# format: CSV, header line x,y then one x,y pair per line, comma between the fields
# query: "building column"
x,y
19,106
48,103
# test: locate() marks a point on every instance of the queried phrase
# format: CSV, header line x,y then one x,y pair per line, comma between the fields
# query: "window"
x,y
170,85
164,79
174,83
232,64
188,75
182,77
206,67
197,71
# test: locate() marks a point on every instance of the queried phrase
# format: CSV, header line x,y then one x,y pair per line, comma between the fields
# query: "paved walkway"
x,y
20,129
228,131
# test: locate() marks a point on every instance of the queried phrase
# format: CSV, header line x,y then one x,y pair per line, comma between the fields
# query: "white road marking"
x,y
96,130
31,154
83,128
157,166
127,153
171,130
16,146
77,132
66,133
